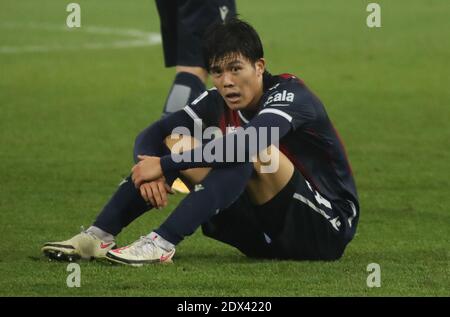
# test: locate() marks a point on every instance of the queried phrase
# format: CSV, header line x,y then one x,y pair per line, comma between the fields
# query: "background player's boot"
x,y
143,251
180,187
84,245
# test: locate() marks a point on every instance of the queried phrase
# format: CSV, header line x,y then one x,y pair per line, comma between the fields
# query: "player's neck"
x,y
254,104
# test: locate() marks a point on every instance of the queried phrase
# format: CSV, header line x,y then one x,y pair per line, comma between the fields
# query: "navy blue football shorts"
x,y
298,224
183,23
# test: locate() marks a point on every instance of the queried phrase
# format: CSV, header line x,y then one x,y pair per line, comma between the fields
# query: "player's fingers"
x,y
148,191
136,183
162,191
135,177
168,189
157,194
143,193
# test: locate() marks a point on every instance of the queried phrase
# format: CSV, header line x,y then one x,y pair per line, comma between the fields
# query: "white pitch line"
x,y
136,38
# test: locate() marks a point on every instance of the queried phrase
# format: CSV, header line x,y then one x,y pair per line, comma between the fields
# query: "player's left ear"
x,y
260,66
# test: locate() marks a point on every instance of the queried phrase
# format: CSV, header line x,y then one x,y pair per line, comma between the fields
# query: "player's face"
x,y
239,81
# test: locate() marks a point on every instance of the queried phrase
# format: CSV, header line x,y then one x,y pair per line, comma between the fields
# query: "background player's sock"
x,y
185,88
220,188
101,234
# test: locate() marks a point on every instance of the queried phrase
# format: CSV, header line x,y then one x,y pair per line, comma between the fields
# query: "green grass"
x,y
68,120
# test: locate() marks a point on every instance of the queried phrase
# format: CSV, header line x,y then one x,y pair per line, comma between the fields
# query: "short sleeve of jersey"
x,y
204,108
292,101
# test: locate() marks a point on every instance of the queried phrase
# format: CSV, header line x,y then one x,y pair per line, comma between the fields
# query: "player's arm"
x,y
268,128
186,120
275,120
278,116
265,129
151,143
151,140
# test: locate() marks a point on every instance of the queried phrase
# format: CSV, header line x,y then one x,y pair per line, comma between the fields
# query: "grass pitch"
x,y
72,101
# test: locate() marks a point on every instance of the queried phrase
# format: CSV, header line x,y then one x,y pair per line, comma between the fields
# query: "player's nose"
x,y
227,80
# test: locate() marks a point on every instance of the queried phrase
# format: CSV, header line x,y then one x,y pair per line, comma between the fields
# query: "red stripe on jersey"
x,y
222,122
288,76
229,118
235,119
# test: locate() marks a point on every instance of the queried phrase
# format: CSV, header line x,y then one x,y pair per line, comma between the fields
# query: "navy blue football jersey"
x,y
312,144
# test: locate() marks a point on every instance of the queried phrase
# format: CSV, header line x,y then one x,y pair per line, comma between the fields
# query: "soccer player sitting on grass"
x,y
269,174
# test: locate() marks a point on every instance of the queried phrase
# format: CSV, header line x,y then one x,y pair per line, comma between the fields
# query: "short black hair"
x,y
231,38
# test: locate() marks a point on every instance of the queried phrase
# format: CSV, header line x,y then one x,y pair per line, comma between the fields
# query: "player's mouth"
x,y
233,97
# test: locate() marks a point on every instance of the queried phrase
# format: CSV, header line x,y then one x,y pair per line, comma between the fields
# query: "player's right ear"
x,y
260,66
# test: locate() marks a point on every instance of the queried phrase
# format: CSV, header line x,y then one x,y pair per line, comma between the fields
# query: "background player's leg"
x,y
187,85
179,50
182,26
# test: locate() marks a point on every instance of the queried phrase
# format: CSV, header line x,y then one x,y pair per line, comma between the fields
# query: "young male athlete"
x,y
268,175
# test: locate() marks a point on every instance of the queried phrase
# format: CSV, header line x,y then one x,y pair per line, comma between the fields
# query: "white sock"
x,y
102,235
161,242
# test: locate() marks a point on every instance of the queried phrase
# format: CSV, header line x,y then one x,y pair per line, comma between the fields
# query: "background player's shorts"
x,y
183,23
295,224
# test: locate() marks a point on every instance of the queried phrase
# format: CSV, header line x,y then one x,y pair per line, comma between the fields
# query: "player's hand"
x,y
155,192
147,170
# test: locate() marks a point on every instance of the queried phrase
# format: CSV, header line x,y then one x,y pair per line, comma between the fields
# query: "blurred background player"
x,y
183,23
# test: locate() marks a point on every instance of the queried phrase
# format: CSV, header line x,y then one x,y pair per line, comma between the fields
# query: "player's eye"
x,y
235,69
216,72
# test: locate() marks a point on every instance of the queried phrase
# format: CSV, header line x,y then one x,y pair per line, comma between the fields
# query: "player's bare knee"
x,y
178,143
272,161
270,176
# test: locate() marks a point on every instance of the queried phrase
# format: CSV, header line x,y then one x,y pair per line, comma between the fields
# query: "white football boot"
x,y
84,245
146,250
